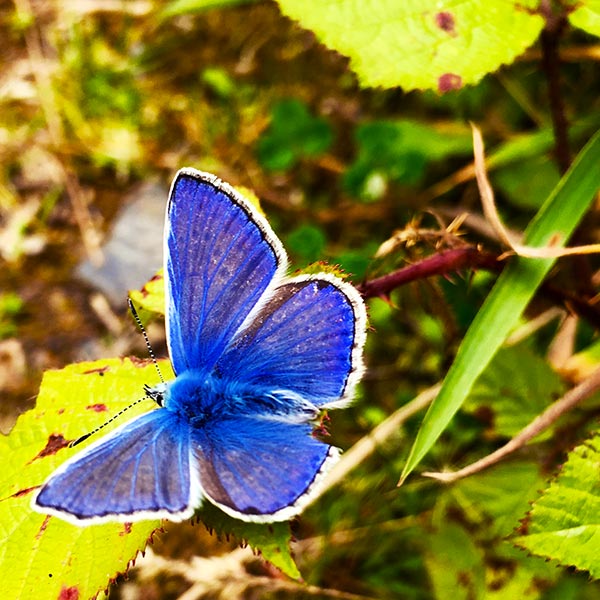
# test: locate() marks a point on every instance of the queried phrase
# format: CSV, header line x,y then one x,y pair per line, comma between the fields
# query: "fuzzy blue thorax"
x,y
201,397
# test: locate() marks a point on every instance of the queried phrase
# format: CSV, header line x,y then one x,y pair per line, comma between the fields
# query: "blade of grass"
x,y
554,223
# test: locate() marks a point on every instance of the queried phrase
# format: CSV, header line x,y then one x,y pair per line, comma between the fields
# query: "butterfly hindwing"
x,y
220,256
260,469
139,471
306,339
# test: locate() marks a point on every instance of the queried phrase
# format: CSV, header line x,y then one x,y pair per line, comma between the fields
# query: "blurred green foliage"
x,y
10,307
292,135
398,152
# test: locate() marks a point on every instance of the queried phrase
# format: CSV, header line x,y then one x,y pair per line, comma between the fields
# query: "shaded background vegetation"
x,y
99,99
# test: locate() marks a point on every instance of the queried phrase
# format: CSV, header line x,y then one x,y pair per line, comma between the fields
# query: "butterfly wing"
x,y
260,469
141,470
307,339
220,256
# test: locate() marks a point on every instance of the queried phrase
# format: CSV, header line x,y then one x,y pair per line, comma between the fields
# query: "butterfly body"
x,y
199,398
257,355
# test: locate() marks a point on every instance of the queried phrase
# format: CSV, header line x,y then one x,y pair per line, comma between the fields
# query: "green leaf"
x,y
586,15
398,151
293,134
418,44
563,523
515,388
151,298
272,540
454,575
498,496
515,287
42,556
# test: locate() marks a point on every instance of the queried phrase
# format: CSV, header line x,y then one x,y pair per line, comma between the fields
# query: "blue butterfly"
x,y
257,355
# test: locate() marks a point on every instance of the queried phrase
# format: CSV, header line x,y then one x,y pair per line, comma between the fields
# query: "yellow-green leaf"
x,y
424,44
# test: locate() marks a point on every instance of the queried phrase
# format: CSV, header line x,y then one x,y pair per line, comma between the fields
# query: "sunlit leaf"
x,y
151,298
563,524
586,15
423,44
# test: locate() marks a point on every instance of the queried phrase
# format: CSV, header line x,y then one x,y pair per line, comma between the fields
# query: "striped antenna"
x,y
148,396
143,330
89,434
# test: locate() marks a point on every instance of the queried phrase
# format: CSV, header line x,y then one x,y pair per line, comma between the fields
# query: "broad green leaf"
x,y
500,494
454,575
586,15
425,44
563,524
515,287
47,554
475,561
515,388
272,540
41,556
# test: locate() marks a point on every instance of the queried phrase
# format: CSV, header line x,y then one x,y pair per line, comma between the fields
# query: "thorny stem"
x,y
449,262
443,263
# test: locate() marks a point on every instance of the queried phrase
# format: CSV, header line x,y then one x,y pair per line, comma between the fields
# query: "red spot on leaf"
x,y
448,82
41,530
126,529
445,21
97,407
56,442
24,492
69,593
100,370
139,362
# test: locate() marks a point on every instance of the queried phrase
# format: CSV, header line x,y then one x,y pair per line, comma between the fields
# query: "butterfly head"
x,y
156,393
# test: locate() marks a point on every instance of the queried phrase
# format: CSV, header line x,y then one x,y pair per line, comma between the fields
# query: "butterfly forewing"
x,y
220,256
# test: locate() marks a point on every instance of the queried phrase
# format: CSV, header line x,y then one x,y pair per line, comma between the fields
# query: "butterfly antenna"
x,y
89,434
143,330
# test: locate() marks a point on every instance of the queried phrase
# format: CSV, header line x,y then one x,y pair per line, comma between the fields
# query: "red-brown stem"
x,y
443,263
